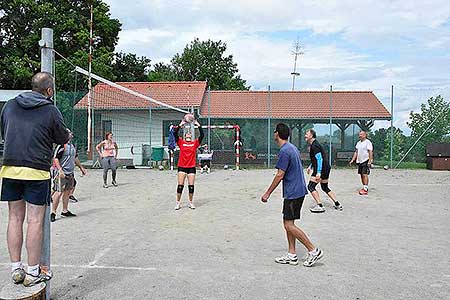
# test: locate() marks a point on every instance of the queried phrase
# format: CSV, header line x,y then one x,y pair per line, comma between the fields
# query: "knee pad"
x,y
325,187
191,189
180,189
312,186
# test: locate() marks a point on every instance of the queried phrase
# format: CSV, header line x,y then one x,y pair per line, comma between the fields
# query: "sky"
x,y
351,45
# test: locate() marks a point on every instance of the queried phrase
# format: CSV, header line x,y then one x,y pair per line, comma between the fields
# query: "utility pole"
x,y
392,126
46,44
296,52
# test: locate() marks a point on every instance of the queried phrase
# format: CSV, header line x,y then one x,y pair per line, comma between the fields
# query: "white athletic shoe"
x,y
178,206
313,257
287,260
317,209
191,205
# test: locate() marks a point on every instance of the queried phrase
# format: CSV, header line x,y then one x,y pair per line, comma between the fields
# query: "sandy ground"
x,y
129,243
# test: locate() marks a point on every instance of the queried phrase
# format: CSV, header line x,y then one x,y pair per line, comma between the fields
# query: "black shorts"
x,y
363,168
36,192
292,208
324,175
188,170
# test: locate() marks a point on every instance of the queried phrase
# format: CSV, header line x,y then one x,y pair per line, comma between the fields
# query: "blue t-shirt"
x,y
294,185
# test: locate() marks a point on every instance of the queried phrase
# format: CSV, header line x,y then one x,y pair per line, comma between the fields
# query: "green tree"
x,y
162,72
400,144
202,60
21,22
128,67
436,110
378,139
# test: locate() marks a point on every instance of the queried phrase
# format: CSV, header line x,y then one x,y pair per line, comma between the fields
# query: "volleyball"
x,y
189,118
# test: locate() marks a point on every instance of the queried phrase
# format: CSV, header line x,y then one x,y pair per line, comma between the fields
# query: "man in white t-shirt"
x,y
364,159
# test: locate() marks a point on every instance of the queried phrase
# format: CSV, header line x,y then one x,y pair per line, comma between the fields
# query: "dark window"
x,y
106,127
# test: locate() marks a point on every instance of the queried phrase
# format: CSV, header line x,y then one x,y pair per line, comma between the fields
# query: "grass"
x,y
403,165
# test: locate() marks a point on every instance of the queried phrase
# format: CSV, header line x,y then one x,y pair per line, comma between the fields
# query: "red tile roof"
x,y
295,105
181,94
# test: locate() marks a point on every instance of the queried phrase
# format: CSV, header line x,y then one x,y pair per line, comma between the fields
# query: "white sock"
x,y
16,265
292,255
366,187
33,270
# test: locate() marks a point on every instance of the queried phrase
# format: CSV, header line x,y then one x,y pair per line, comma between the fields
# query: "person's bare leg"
x,y
55,201
331,195
181,179
65,198
17,210
191,181
291,242
365,179
35,220
290,227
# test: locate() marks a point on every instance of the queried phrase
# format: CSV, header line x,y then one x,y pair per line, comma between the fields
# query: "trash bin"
x,y
157,153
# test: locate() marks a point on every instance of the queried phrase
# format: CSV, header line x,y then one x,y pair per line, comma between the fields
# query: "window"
x,y
106,127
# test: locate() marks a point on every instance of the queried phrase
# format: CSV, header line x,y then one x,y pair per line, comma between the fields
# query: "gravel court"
x,y
129,243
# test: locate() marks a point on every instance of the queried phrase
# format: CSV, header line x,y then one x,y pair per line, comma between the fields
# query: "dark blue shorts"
x,y
36,192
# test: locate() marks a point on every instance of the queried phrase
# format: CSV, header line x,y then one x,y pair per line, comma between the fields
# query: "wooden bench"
x,y
343,157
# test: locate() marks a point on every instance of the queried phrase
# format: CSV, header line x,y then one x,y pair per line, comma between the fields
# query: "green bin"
x,y
157,153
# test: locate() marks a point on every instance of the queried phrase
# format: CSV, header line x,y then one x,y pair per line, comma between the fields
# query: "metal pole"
x,y
90,156
209,118
392,126
46,44
331,123
269,134
150,132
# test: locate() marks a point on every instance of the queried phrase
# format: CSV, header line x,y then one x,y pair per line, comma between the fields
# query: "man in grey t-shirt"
x,y
66,158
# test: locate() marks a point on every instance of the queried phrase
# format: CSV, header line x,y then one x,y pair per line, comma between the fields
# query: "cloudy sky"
x,y
352,45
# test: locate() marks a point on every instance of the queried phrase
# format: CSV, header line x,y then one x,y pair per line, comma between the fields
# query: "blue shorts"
x,y
36,192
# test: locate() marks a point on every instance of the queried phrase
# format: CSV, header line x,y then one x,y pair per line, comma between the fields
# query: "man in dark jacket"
x,y
30,125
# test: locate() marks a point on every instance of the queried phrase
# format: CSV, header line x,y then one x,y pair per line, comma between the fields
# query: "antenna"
x,y
296,52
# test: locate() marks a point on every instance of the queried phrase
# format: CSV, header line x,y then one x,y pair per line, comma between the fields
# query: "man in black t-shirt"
x,y
320,168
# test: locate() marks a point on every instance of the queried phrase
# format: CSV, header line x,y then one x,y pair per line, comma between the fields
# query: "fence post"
x,y
269,134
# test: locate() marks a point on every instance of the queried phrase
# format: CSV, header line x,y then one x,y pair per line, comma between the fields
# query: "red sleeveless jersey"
x,y
188,153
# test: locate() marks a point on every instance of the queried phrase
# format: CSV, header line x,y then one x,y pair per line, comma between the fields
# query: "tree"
x,y
162,72
129,67
201,61
21,22
378,139
437,110
400,144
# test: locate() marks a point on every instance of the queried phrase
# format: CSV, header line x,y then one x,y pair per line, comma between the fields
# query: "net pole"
x,y
46,44
331,123
90,126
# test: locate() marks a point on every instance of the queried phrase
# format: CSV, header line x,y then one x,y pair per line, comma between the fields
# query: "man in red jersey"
x,y
187,162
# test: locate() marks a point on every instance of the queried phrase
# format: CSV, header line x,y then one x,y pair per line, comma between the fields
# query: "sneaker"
x,y
287,260
178,206
313,258
114,183
317,209
73,199
31,280
338,207
191,205
105,186
68,214
18,275
52,217
363,192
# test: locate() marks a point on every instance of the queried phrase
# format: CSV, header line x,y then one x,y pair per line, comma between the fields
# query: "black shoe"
x,y
52,217
68,214
114,183
73,199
